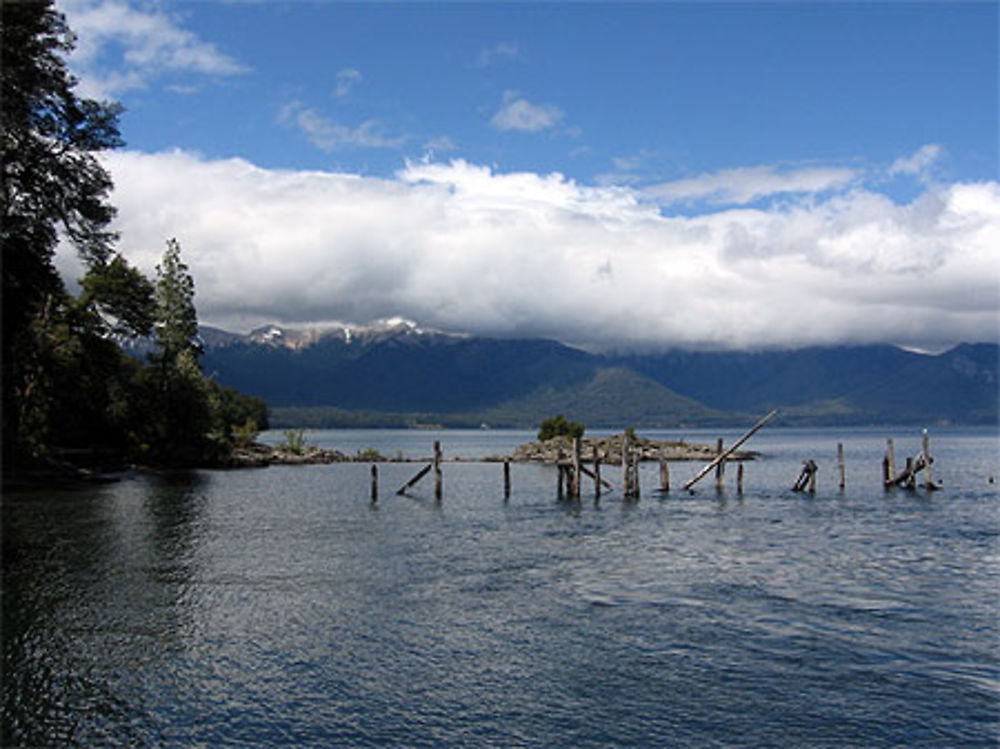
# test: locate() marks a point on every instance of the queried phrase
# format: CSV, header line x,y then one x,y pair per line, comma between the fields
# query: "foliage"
x,y
66,383
52,187
295,442
245,434
176,319
370,455
121,296
558,426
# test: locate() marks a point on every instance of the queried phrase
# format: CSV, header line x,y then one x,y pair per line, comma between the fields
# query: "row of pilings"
x,y
574,469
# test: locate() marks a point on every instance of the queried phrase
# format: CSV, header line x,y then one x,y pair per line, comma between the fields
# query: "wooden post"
x,y
635,474
890,462
800,482
911,474
420,474
739,478
506,479
561,492
807,477
720,468
438,479
840,465
664,475
597,473
576,478
374,483
732,448
626,468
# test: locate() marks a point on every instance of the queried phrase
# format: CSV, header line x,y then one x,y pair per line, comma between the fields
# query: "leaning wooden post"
x,y
506,479
577,477
739,478
597,473
438,479
807,477
732,448
374,483
720,468
840,465
420,474
664,474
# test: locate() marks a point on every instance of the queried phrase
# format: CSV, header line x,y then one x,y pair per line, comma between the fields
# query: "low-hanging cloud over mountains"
x,y
462,247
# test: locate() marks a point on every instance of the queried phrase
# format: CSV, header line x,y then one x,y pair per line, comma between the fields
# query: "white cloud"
x,y
347,79
917,163
120,48
329,136
460,247
744,185
499,51
519,114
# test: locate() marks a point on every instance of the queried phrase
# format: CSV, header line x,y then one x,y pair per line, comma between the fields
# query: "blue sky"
x,y
389,157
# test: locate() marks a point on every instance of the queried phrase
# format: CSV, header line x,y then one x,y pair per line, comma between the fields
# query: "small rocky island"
x,y
609,449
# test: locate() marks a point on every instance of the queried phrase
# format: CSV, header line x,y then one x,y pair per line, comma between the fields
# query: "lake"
x,y
281,607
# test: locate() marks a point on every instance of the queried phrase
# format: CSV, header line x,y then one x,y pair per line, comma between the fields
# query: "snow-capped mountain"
x,y
395,329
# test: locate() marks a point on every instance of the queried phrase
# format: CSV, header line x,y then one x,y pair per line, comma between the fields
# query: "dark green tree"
x,y
176,321
180,401
51,187
559,426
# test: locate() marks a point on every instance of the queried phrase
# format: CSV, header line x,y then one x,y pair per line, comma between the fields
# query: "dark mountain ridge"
x,y
396,367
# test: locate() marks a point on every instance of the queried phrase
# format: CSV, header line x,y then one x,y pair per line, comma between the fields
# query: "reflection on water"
x,y
281,607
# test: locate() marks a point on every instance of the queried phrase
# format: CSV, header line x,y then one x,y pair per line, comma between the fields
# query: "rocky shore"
x,y
550,451
258,455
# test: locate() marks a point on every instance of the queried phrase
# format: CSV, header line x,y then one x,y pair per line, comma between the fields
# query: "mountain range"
x,y
394,373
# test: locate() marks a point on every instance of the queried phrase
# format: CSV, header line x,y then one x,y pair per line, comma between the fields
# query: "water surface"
x,y
279,606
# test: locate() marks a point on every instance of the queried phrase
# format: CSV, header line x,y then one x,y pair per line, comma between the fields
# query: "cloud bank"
x,y
461,247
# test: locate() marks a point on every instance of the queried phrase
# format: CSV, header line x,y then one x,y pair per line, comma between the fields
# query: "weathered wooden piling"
x,y
807,478
374,483
664,475
908,476
720,468
739,478
434,465
732,448
889,465
626,466
928,479
438,478
597,473
635,474
840,466
576,478
506,479
420,474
